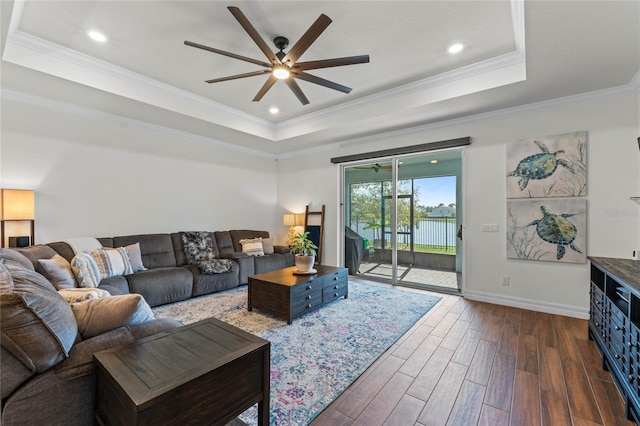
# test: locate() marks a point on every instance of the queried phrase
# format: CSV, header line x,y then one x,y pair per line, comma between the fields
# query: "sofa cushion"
x,y
112,262
101,315
135,257
242,234
209,283
6,282
252,246
115,285
33,253
270,263
267,245
37,324
63,249
75,295
156,249
17,257
162,285
224,243
58,271
86,270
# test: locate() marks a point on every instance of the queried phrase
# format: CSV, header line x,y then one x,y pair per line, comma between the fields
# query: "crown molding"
x,y
27,50
71,109
627,90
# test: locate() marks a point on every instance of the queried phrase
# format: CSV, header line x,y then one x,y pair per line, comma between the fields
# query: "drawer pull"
x,y
308,297
335,278
335,287
309,287
335,294
597,302
616,356
597,325
308,306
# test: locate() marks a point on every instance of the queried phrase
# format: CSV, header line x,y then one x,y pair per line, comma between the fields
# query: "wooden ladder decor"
x,y
314,225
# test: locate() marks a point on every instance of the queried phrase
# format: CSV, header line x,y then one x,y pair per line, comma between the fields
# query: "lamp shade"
x,y
17,204
293,219
289,219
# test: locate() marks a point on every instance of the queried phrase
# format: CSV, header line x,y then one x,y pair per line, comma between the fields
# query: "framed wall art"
x,y
551,230
548,166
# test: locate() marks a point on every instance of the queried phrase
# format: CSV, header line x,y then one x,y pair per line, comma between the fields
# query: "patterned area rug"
x,y
317,357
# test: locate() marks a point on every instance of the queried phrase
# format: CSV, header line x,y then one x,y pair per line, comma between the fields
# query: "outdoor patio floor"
x,y
413,275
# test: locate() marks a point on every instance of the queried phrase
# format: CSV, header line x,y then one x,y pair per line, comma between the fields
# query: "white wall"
x,y
96,176
613,220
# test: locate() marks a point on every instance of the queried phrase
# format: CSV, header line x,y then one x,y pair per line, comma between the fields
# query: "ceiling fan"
x,y
285,66
376,168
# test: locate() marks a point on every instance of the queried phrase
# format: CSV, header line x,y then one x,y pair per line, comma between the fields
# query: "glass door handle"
x,y
460,232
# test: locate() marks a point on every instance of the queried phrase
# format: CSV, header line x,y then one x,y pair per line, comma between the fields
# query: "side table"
x,y
208,373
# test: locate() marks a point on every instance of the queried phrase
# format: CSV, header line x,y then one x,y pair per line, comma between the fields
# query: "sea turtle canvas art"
x,y
547,230
548,166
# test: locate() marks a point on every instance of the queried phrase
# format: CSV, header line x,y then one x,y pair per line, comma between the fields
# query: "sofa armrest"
x,y
281,249
80,361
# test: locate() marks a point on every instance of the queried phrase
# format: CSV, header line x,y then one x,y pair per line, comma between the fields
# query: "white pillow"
x,y
112,263
252,246
86,270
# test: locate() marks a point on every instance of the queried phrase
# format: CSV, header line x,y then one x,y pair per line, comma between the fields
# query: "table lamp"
x,y
292,220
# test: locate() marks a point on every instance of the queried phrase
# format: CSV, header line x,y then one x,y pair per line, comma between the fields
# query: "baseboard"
x,y
532,305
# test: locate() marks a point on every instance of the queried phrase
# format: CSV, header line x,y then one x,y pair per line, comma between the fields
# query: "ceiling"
x,y
516,53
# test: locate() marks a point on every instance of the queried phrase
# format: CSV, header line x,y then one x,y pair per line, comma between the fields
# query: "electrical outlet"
x,y
489,227
506,280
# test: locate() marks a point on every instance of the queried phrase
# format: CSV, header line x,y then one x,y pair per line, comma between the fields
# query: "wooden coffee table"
x,y
286,294
205,373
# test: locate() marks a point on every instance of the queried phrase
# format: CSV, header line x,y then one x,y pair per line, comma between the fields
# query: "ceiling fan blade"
x,y
234,77
307,39
328,63
322,82
265,88
229,54
296,90
253,33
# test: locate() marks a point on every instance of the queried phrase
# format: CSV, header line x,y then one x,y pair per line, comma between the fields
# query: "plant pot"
x,y
304,263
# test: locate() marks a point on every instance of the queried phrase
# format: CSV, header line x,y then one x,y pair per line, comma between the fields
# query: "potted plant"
x,y
304,251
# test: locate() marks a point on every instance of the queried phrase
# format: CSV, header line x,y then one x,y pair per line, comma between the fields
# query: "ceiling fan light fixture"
x,y
281,72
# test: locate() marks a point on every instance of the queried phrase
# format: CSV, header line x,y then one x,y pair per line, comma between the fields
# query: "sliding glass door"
x,y
403,214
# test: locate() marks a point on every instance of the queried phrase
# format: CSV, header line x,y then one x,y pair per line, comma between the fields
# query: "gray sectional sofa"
x,y
168,277
47,344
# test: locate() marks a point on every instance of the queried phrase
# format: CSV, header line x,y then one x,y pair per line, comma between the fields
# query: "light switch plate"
x,y
489,227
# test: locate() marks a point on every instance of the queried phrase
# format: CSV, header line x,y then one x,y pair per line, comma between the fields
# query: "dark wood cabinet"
x,y
614,324
288,295
204,373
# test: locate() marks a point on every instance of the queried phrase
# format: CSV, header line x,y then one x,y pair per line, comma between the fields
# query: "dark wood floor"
x,y
473,363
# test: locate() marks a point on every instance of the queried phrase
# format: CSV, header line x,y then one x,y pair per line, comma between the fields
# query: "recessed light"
x,y
456,48
274,110
434,161
97,36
